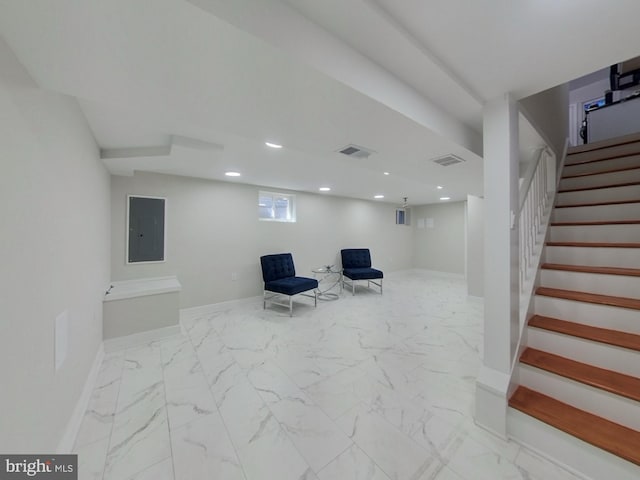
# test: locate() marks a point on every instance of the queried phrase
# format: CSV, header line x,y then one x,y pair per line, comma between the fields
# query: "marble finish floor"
x,y
366,387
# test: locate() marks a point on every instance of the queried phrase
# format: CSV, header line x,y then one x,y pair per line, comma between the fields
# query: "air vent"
x,y
356,151
448,160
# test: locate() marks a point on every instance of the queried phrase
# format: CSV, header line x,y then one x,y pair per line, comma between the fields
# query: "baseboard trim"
x,y
192,313
68,440
137,339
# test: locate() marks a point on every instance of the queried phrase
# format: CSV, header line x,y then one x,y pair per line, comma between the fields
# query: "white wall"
x,y
213,232
475,246
54,252
442,246
548,112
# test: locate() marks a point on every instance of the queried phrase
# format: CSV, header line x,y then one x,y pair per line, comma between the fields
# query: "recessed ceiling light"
x,y
324,189
378,196
272,145
232,174
439,187
386,173
445,198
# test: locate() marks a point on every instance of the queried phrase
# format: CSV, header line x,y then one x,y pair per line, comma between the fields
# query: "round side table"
x,y
328,278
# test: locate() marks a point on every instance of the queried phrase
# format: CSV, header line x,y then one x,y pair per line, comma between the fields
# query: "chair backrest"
x,y
277,266
356,258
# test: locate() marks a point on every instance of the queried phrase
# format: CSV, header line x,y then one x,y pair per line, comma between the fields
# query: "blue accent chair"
x,y
356,265
279,275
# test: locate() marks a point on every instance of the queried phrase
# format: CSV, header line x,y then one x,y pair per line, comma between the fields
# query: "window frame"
x,y
291,210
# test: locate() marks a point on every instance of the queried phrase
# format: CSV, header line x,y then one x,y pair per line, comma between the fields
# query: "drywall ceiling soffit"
x,y
447,109
141,80
521,47
370,28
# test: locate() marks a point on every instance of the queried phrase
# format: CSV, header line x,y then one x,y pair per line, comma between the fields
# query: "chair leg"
x,y
291,306
264,299
380,286
353,287
315,298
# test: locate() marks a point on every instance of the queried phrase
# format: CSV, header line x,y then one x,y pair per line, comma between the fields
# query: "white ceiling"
x,y
196,87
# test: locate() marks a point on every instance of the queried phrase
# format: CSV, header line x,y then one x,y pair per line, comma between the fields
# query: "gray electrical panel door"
x,y
146,229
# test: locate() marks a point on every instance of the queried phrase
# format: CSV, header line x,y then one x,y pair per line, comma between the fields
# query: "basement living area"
x,y
467,241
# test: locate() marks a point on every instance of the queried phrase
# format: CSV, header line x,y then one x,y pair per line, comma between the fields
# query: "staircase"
x,y
580,370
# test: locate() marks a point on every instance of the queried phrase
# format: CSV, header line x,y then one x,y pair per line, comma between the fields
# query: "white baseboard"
x,y
438,273
194,312
136,339
66,443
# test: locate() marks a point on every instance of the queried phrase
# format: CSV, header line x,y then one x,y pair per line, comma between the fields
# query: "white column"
x,y
501,275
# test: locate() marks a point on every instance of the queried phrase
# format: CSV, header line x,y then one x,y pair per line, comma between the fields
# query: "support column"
x,y
501,279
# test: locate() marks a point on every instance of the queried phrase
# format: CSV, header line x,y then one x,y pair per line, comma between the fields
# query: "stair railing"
x,y
536,198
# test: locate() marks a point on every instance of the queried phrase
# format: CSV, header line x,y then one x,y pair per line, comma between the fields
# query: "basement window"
x,y
276,207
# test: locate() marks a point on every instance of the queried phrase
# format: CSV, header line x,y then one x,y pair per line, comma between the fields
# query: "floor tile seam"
x,y
293,443
284,426
385,420
215,404
350,446
92,442
133,475
394,427
166,417
166,411
113,420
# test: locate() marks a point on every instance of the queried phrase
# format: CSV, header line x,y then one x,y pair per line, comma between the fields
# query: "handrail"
x,y
536,198
531,171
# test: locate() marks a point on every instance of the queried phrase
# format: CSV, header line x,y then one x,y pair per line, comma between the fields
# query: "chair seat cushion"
x,y
362,273
291,285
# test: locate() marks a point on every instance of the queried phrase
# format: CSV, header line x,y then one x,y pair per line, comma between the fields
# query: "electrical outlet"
x,y
234,276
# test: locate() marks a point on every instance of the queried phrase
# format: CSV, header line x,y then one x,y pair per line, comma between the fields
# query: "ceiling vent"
x,y
356,151
448,160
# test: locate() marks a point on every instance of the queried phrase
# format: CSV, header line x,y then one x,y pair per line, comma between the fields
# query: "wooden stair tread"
x,y
630,272
594,244
602,158
623,302
598,204
599,187
604,144
602,172
595,334
605,434
592,223
608,380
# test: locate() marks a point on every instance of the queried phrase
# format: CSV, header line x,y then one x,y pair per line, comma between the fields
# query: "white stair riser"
x,y
627,149
625,211
584,397
613,194
567,450
616,285
603,316
622,360
595,233
594,256
611,178
612,164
